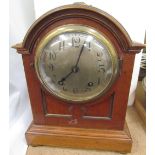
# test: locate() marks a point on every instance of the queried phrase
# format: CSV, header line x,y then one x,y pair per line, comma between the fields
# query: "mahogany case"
x,y
101,120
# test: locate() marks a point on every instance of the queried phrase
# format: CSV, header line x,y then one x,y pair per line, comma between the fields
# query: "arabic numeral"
x,y
99,54
75,90
52,55
51,67
61,45
76,41
89,46
87,89
101,68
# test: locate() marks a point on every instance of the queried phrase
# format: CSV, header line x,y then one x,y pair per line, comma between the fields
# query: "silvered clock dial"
x,y
76,63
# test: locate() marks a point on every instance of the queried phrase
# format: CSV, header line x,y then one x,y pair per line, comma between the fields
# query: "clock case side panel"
x,y
122,89
34,90
106,24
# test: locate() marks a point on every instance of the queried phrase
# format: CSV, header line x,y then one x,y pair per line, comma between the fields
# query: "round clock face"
x,y
76,63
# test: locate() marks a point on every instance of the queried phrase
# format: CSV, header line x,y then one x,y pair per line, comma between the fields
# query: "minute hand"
x,y
79,55
74,69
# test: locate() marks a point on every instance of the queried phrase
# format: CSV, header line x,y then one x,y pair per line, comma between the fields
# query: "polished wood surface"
x,y
137,132
120,96
81,11
106,112
113,140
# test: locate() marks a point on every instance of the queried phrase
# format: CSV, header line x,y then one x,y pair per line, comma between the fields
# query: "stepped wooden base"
x,y
113,140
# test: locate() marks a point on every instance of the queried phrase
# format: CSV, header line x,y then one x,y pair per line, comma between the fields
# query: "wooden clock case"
x,y
99,124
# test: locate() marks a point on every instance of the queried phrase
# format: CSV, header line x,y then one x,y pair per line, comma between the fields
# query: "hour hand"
x,y
61,82
75,69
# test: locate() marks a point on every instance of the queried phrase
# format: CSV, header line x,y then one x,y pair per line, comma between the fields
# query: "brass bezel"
x,y
78,28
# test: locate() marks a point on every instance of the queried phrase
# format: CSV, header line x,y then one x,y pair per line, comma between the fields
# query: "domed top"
x,y
78,10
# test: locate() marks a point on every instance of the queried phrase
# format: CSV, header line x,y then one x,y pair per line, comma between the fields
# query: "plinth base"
x,y
112,140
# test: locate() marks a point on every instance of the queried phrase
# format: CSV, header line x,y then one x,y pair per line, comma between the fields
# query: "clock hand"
x,y
75,69
64,78
79,55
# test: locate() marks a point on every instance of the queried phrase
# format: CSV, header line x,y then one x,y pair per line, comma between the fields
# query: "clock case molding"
x,y
99,124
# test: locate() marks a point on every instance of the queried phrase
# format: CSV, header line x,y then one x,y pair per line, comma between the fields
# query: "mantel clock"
x,y
78,63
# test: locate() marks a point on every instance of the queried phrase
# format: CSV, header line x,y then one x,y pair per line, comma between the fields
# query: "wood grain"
x,y
114,140
51,124
137,131
105,24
